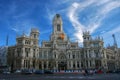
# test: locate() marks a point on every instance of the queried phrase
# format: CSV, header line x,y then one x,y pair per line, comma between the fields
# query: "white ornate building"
x,y
59,53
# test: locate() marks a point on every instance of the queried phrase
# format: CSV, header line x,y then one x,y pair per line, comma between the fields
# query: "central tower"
x,y
57,24
58,33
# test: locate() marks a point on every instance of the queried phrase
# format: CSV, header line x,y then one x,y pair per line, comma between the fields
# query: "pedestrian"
x,y
86,72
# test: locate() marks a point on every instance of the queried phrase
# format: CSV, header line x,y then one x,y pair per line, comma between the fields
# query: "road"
x,y
66,76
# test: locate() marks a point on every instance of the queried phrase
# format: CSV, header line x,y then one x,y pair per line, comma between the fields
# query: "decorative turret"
x,y
35,36
86,36
115,42
34,33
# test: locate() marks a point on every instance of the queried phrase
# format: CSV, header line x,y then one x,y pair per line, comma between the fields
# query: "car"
x,y
6,72
99,71
17,71
116,71
26,72
48,72
39,72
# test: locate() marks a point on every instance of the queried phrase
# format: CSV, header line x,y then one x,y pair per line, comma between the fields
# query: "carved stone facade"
x,y
94,55
25,53
59,53
113,55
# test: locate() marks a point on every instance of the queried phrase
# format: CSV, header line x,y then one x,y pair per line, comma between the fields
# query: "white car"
x,y
6,72
18,71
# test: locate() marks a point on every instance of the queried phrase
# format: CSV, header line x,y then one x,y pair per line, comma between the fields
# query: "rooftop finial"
x,y
7,38
115,42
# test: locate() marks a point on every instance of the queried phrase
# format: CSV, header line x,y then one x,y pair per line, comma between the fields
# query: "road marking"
x,y
70,77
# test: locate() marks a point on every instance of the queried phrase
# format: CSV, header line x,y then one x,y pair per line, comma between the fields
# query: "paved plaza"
x,y
66,76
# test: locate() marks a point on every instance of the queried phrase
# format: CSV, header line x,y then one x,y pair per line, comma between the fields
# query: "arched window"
x,y
35,36
58,27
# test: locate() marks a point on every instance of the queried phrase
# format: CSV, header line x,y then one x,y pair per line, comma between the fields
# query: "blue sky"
x,y
101,18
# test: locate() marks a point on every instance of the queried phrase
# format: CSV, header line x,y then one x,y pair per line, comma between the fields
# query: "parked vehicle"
x,y
48,72
116,71
109,71
17,71
39,72
6,72
87,72
26,72
99,71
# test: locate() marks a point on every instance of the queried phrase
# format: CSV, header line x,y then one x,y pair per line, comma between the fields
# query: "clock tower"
x,y
57,24
58,33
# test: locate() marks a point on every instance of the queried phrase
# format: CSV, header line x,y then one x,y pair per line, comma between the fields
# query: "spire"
x,y
23,34
115,42
7,38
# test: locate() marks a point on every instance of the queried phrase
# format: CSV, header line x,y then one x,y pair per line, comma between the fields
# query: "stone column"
x,y
27,64
47,55
71,64
56,64
23,52
93,63
23,41
47,64
70,55
36,64
79,65
76,65
31,64
88,63
42,65
88,53
14,67
68,67
22,63
85,54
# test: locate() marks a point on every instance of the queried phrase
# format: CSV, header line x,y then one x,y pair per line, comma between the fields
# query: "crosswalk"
x,y
69,77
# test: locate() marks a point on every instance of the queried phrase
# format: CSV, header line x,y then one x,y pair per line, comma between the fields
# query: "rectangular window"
x,y
19,41
27,54
73,56
34,35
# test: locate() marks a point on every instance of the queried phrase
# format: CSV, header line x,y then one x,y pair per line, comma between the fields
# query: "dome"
x,y
34,30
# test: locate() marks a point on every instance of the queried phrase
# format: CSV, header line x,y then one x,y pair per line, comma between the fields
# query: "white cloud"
x,y
116,30
50,14
14,29
102,13
102,2
110,6
23,26
73,16
108,36
46,31
105,7
62,2
103,32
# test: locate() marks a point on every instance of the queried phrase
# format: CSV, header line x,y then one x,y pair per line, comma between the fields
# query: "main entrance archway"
x,y
62,63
